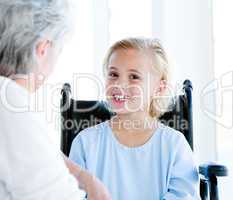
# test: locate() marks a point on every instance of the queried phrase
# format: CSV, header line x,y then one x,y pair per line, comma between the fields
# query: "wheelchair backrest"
x,y
77,115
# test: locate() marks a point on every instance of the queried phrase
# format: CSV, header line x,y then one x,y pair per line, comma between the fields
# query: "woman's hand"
x,y
87,182
93,186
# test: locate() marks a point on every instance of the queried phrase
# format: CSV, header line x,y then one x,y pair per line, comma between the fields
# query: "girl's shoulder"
x,y
170,135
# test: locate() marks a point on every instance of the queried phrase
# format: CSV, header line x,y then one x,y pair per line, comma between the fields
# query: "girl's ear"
x,y
162,87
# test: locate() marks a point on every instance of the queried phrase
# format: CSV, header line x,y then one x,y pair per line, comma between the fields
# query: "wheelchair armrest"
x,y
212,169
209,184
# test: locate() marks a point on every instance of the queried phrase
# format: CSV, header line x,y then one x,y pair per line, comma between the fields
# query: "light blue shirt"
x,y
161,169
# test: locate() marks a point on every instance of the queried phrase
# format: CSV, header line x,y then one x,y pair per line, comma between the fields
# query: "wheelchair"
x,y
84,114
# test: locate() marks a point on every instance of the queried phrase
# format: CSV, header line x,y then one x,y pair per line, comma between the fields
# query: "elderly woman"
x,y
31,35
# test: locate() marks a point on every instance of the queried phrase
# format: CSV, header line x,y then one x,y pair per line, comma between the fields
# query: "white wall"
x,y
101,33
185,29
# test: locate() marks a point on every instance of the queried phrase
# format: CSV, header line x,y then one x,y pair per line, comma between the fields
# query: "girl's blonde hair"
x,y
152,46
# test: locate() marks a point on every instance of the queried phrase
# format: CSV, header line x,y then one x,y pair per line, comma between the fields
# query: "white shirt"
x,y
31,167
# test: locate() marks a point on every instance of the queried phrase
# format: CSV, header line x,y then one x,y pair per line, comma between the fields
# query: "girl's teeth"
x,y
119,97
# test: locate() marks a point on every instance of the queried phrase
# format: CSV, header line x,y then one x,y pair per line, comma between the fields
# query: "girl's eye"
x,y
134,77
112,75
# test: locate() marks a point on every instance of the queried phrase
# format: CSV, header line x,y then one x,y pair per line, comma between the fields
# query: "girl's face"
x,y
131,81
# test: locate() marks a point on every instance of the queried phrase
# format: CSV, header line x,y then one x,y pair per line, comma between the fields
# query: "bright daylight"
x,y
116,100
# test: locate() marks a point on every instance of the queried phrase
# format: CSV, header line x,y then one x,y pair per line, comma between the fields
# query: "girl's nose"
x,y
123,85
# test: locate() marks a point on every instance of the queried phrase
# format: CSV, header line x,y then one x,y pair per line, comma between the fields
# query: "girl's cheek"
x,y
137,90
109,83
109,88
137,93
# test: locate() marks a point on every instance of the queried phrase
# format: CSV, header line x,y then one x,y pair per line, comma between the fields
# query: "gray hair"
x,y
23,23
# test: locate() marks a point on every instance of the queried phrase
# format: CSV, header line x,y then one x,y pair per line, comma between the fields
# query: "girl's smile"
x,y
131,81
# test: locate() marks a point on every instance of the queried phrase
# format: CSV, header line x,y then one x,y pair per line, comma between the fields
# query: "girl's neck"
x,y
133,130
133,122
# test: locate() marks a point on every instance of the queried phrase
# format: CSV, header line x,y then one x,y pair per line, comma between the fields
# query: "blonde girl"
x,y
133,154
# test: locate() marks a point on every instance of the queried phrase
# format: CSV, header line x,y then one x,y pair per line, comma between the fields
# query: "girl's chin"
x,y
123,110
